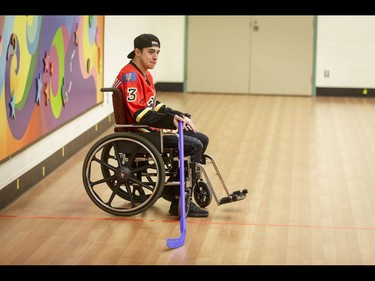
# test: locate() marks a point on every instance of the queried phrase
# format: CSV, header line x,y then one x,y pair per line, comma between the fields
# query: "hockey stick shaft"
x,y
180,241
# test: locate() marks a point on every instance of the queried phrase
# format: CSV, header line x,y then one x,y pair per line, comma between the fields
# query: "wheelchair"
x,y
125,173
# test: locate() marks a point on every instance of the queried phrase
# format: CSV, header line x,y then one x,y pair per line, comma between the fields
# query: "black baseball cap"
x,y
144,41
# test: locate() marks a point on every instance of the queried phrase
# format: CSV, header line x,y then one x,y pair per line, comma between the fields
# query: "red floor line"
x,y
189,222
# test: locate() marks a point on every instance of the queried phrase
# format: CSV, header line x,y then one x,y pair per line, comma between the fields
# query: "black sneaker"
x,y
194,210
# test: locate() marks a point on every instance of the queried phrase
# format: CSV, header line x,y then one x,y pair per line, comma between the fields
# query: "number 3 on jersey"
x,y
131,95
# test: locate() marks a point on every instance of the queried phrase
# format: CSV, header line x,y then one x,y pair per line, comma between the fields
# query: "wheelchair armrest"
x,y
130,126
113,90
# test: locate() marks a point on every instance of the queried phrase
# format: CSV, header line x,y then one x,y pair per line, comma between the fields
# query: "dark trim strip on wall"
x,y
345,92
169,87
15,189
319,91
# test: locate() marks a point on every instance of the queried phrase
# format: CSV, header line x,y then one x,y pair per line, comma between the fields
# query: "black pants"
x,y
195,144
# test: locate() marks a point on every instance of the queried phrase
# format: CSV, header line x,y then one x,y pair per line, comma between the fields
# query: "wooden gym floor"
x,y
307,162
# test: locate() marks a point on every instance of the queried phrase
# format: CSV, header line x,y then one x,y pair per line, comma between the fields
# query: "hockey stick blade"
x,y
173,243
177,242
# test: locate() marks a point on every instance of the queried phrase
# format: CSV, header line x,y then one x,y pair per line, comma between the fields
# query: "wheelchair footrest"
x,y
234,196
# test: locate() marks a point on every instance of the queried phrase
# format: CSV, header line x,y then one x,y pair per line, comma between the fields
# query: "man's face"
x,y
148,56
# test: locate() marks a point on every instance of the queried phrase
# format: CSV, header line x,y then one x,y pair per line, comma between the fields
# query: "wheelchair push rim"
x,y
123,174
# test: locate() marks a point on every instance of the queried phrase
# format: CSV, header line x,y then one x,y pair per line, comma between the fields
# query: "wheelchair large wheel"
x,y
123,174
202,194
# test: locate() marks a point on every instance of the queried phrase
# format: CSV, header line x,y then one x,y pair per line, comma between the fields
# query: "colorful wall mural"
x,y
51,71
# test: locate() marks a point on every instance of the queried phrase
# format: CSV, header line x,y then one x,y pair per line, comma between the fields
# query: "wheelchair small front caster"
x,y
202,194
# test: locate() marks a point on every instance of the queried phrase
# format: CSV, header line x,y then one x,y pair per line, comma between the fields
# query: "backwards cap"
x,y
144,41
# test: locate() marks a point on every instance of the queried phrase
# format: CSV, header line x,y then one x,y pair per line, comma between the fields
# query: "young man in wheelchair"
x,y
136,84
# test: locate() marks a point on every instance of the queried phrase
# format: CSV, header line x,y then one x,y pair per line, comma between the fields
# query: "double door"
x,y
250,54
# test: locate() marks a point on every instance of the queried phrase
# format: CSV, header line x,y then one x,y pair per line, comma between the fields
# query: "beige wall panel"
x,y
281,59
218,54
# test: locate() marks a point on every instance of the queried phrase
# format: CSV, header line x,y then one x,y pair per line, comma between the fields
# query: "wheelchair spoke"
x,y
114,193
132,157
131,195
149,186
117,153
104,180
141,193
104,163
143,168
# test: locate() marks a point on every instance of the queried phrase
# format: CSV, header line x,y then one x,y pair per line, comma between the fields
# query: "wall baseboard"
x,y
345,92
15,189
169,87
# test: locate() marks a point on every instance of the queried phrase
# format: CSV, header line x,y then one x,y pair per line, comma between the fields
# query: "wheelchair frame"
x,y
125,173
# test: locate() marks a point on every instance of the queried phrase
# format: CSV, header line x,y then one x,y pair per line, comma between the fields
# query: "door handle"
x,y
255,26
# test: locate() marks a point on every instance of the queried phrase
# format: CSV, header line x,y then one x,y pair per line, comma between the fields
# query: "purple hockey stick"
x,y
180,241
